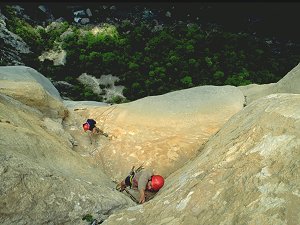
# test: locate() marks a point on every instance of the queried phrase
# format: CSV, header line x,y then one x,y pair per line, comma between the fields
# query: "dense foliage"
x,y
152,60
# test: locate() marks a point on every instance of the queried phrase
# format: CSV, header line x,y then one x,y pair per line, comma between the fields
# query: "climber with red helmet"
x,y
90,125
143,180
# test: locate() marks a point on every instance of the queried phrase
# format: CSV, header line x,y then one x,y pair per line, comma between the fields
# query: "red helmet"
x,y
86,126
157,182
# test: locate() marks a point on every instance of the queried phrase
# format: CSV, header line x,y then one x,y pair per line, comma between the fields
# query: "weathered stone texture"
x,y
246,174
31,88
163,132
42,179
224,163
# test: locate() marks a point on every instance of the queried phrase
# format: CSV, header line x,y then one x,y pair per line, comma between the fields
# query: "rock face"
x,y
58,57
12,46
109,90
43,181
246,174
290,83
163,132
223,163
31,88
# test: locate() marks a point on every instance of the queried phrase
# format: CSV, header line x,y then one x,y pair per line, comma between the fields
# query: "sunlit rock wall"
x,y
248,173
163,132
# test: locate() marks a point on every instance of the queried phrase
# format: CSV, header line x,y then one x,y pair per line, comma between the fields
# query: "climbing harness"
x,y
131,175
133,172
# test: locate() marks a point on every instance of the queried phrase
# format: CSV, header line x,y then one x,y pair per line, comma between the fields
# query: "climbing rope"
x,y
111,110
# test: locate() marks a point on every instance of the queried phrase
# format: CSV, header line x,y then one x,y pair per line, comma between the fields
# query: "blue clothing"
x,y
92,123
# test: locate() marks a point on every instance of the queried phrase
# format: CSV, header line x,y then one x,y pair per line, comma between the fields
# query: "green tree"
x,y
187,81
239,79
218,77
29,34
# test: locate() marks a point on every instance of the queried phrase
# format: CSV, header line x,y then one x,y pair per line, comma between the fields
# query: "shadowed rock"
x,y
12,46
